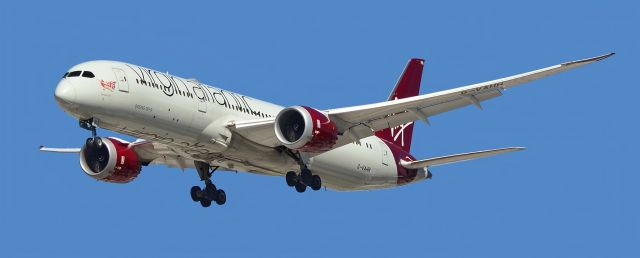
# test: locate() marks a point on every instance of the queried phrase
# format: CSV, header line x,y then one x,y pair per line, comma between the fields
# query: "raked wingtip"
x,y
589,60
604,56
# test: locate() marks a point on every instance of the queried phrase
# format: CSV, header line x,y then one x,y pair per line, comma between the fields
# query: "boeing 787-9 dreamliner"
x,y
184,123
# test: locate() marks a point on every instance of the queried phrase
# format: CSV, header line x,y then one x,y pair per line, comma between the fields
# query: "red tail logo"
x,y
408,85
398,133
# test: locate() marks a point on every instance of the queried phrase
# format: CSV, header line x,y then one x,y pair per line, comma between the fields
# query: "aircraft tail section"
x,y
408,85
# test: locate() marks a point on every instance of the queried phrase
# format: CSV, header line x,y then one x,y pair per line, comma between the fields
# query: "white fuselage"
x,y
191,118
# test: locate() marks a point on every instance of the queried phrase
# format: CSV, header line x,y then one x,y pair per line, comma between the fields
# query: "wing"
x,y
161,154
59,150
363,120
260,131
358,122
148,152
455,158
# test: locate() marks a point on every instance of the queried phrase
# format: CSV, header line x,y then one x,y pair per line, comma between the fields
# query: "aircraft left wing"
x,y
148,152
358,122
161,154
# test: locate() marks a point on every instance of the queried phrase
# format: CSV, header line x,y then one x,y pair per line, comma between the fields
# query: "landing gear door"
x,y
384,151
121,79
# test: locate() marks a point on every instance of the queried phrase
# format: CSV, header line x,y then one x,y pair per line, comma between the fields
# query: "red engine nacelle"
x,y
109,160
305,129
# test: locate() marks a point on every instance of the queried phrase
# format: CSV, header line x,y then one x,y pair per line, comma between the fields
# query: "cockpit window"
x,y
88,74
74,74
65,75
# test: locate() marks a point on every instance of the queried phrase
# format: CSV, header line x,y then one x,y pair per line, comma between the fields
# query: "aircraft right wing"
x,y
148,152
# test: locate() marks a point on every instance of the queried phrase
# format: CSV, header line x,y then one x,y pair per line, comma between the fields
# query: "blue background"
x,y
572,193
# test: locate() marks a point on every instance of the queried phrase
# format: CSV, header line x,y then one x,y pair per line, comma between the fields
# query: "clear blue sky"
x,y
573,193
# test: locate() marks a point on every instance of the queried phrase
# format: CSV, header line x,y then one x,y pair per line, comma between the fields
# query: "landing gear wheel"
x,y
196,193
306,176
300,187
221,197
210,191
316,182
291,178
205,202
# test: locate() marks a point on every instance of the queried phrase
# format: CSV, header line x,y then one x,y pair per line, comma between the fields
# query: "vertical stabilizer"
x,y
408,85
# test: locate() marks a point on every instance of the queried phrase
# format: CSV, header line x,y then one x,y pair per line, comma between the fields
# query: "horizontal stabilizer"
x,y
455,158
60,150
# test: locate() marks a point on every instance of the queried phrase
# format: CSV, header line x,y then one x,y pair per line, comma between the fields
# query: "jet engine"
x,y
305,129
109,160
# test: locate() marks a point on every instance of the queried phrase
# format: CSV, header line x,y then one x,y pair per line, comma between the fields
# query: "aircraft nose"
x,y
65,94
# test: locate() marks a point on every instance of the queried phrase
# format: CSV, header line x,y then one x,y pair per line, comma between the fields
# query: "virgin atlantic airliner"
x,y
184,123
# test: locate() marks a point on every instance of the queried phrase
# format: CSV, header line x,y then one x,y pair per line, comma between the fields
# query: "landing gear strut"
x,y
94,143
89,125
210,193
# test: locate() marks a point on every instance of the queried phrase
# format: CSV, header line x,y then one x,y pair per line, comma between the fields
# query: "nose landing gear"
x,y
90,125
210,193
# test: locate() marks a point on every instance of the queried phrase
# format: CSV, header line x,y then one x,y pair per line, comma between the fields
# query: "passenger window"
x,y
74,74
88,74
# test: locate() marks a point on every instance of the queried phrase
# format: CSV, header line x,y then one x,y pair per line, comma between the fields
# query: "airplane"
x,y
183,123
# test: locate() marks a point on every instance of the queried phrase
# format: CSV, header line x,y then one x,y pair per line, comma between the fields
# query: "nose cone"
x,y
66,94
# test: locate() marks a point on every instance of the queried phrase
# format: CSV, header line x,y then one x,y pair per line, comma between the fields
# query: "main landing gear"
x,y
210,193
304,179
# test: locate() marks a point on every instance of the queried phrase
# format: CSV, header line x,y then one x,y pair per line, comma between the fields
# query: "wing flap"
x,y
455,158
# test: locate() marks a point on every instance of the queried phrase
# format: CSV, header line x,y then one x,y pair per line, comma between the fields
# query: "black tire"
x,y
300,187
89,141
291,178
316,182
210,192
205,202
221,197
306,176
196,193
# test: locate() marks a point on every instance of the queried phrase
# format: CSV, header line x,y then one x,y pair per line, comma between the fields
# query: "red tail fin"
x,y
408,85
